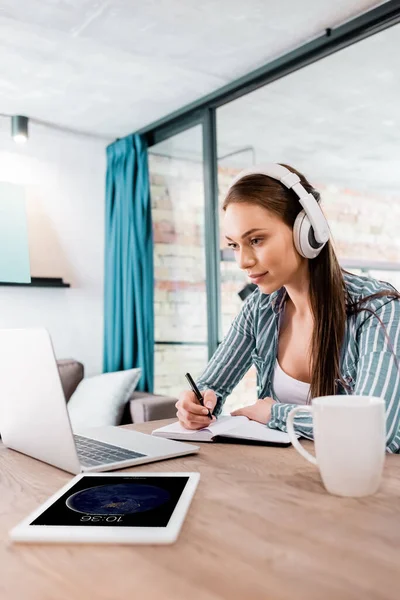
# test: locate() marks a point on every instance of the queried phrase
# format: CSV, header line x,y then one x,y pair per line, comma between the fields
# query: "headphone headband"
x,y
292,181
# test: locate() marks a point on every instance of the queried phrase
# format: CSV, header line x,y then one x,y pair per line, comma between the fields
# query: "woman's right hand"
x,y
191,414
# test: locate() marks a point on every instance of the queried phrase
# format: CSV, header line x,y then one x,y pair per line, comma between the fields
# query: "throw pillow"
x,y
100,400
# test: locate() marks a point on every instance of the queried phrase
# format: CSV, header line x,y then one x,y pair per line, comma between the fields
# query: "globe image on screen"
x,y
117,499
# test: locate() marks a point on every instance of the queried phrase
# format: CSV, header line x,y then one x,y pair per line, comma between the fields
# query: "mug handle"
x,y
293,436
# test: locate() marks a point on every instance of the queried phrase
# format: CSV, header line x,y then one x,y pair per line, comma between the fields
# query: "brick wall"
x,y
363,226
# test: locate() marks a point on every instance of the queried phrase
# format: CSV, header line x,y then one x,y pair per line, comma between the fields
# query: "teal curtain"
x,y
129,281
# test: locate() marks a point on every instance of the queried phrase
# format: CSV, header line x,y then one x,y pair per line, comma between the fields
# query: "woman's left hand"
x,y
260,411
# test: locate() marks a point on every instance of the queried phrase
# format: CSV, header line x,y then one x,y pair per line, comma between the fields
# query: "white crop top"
x,y
287,389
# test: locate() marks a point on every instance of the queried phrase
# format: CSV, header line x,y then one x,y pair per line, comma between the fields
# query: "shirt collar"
x,y
278,299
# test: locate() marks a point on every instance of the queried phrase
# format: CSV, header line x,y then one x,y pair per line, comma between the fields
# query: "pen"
x,y
196,391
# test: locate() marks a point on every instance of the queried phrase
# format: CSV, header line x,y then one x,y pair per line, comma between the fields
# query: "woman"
x,y
310,328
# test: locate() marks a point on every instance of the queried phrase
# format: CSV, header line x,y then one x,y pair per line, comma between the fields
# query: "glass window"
x,y
172,361
177,195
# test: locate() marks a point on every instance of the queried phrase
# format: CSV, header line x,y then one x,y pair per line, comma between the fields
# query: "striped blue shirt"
x,y
367,363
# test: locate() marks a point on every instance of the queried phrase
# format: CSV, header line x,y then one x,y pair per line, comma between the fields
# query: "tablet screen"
x,y
118,502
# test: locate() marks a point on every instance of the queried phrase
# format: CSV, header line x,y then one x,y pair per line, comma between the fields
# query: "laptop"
x,y
34,416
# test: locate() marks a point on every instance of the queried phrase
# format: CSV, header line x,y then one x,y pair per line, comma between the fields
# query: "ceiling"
x,y
110,67
337,120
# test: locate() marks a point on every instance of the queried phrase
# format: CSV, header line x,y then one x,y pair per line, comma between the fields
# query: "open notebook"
x,y
227,429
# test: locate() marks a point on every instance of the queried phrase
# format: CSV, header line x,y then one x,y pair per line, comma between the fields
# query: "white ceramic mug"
x,y
350,442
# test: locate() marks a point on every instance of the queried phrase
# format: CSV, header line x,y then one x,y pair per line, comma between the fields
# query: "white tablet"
x,y
147,508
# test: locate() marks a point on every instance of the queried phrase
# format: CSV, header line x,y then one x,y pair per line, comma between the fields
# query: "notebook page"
x,y
253,430
178,428
224,424
219,426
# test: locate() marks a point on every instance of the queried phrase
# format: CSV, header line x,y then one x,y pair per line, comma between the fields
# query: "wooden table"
x,y
261,525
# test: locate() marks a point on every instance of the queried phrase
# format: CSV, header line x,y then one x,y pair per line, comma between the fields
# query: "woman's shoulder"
x,y
362,286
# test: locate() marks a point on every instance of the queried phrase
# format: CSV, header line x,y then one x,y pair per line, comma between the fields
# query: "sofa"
x,y
140,407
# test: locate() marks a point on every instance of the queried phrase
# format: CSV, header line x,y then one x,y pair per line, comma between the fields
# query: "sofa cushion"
x,y
151,407
71,374
100,400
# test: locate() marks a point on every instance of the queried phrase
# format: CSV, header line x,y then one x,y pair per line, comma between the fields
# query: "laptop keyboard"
x,y
93,453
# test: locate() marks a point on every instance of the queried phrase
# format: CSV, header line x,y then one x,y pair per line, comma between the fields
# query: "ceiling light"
x,y
19,128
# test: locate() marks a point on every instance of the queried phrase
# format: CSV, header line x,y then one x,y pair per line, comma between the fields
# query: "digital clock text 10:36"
x,y
100,518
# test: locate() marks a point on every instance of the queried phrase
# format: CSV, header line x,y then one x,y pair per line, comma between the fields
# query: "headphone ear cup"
x,y
302,234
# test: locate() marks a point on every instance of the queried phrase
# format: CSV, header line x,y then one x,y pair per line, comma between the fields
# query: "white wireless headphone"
x,y
310,229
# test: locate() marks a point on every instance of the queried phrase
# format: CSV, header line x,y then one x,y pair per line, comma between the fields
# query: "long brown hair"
x,y
329,299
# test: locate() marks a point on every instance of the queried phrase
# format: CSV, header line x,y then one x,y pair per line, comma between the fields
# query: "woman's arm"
x,y
377,374
302,421
232,359
378,368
